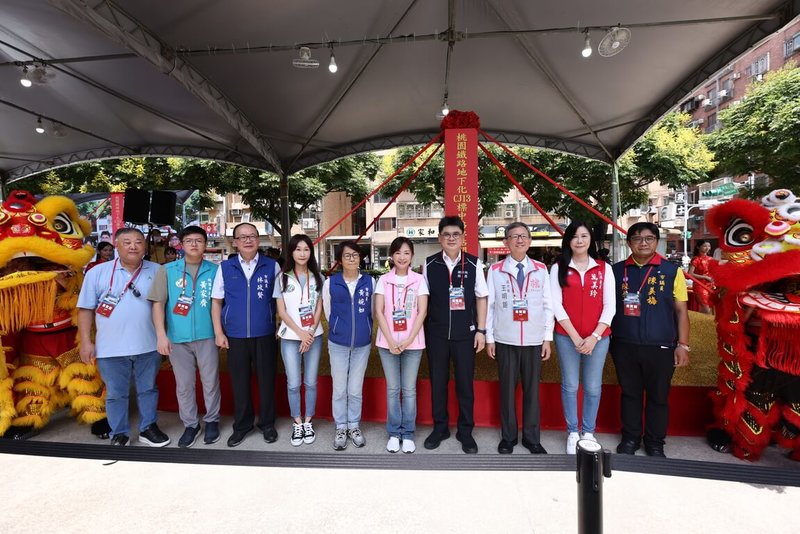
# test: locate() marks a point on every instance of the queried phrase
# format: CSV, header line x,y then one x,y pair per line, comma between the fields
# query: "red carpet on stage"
x,y
690,408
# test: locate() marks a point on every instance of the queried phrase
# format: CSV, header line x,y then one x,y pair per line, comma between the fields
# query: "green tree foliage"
x,y
671,153
261,190
762,132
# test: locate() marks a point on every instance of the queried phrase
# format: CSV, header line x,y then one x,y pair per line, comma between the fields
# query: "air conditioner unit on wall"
x,y
635,212
707,102
723,93
736,75
309,224
236,212
509,214
700,97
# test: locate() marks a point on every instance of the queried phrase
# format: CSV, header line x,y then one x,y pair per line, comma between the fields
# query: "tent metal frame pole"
x,y
615,245
286,225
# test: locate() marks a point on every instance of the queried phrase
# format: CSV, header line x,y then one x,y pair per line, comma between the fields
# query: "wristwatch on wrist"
x,y
685,347
597,336
481,331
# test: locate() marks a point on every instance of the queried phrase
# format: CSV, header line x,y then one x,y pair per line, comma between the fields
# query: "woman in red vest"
x,y
583,310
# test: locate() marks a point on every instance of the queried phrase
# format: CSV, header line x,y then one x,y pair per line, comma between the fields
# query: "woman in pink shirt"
x,y
401,302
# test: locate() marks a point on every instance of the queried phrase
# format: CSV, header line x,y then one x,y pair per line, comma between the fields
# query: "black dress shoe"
x,y
506,447
433,441
238,436
628,446
535,448
270,435
655,450
468,444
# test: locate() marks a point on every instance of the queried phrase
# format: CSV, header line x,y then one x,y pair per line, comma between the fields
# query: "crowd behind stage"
x,y
144,305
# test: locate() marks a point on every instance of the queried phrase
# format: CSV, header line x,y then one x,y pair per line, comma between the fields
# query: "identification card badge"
x,y
107,305
306,316
183,305
631,305
399,319
520,310
457,298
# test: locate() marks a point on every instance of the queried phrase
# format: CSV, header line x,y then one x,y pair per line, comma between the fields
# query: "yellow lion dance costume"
x,y
42,256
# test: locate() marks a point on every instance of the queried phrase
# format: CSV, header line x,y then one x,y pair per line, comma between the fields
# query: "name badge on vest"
x,y
631,305
183,305
399,320
107,305
457,298
519,309
306,316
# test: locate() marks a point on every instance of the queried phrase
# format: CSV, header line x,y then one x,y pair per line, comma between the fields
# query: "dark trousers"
x,y
644,373
245,355
514,362
440,352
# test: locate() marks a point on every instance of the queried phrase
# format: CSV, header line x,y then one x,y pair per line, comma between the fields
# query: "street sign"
x,y
680,210
680,198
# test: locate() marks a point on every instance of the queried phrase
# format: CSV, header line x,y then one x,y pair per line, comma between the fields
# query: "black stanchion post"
x,y
593,463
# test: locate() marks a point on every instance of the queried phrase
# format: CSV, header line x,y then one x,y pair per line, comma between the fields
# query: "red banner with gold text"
x,y
461,181
117,208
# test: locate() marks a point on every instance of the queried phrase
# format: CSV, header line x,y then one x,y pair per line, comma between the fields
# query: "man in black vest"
x,y
455,328
649,338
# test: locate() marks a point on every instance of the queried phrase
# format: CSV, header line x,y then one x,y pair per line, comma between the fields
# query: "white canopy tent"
x,y
216,79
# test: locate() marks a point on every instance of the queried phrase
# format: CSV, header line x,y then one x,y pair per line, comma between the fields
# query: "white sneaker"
x,y
572,442
589,436
308,433
393,445
297,434
408,446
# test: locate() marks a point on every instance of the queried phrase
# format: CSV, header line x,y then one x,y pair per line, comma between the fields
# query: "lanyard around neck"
x,y
450,271
130,282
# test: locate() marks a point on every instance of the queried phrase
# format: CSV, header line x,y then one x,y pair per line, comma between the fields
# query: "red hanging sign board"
x,y
117,208
461,181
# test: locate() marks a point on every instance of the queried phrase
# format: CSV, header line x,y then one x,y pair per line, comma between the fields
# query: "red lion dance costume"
x,y
758,325
42,256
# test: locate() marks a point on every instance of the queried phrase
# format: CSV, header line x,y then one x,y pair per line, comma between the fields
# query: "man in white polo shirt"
x,y
114,299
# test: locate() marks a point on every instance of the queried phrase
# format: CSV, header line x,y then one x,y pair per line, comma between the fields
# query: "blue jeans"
x,y
116,373
400,371
347,372
290,352
571,362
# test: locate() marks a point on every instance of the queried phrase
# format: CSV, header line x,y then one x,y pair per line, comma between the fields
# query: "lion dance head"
x,y
758,322
42,256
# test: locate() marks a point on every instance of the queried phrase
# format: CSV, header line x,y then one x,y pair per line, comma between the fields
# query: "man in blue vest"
x,y
650,338
455,329
181,296
243,314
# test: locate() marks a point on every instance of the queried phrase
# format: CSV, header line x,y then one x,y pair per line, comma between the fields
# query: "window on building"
x,y
204,218
415,210
792,45
711,122
386,223
526,209
759,66
381,198
504,211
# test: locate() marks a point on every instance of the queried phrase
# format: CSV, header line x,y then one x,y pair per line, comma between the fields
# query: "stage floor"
x,y
64,429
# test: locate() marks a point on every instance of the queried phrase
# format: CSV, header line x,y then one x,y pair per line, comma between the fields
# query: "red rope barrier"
x,y
390,178
520,188
556,184
391,200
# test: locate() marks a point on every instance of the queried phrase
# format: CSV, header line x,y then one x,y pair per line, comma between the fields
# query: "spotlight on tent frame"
x,y
305,61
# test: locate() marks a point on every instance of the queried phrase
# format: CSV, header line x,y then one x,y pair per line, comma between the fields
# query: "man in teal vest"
x,y
181,296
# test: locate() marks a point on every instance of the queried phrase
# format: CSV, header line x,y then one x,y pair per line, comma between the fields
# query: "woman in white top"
x,y
297,295
584,302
